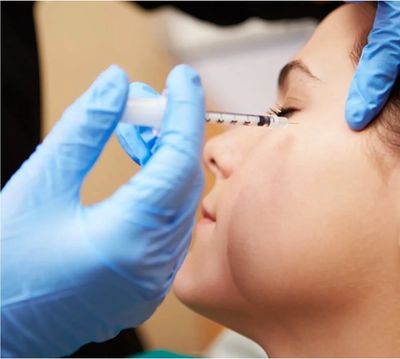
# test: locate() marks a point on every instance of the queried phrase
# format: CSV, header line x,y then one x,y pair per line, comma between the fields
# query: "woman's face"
x,y
303,216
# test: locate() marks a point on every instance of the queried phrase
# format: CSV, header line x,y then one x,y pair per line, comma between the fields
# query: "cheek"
x,y
291,226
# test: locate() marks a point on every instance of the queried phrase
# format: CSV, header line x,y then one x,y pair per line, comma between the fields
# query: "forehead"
x,y
328,51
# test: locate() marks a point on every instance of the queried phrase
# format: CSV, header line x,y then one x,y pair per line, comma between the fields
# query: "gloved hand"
x,y
73,274
378,69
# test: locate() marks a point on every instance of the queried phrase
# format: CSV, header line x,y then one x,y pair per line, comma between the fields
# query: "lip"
x,y
207,216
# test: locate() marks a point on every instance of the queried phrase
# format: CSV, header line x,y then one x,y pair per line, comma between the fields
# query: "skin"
x,y
304,254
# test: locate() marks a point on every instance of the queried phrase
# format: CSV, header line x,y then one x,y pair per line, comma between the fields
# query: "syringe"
x,y
149,112
272,121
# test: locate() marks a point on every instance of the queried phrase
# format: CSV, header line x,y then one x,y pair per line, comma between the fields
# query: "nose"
x,y
223,154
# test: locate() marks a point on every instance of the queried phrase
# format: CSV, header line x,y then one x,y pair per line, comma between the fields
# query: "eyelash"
x,y
282,111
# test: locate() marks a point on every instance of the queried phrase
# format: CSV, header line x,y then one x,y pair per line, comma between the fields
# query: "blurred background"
x,y
239,65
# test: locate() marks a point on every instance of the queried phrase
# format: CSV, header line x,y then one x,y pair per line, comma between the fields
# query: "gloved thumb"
x,y
70,150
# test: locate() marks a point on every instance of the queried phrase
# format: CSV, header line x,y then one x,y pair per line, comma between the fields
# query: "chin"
x,y
224,311
209,293
182,287
188,289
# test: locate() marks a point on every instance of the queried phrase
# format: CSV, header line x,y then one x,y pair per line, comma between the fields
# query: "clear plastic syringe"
x,y
272,121
149,112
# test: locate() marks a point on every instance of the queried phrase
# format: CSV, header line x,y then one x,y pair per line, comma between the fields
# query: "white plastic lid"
x,y
145,111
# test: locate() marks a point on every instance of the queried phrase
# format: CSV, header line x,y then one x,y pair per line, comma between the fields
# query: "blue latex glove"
x,y
138,142
73,274
378,69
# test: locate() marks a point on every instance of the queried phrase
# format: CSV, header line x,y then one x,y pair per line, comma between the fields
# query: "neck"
x,y
370,330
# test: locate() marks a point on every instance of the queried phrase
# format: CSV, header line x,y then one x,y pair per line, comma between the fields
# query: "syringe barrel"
x,y
150,111
145,111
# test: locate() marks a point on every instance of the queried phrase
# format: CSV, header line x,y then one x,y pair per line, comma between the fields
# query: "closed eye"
x,y
286,111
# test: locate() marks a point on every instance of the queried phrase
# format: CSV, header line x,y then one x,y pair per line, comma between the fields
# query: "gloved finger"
x,y
378,69
172,179
77,140
175,166
137,141
59,164
79,137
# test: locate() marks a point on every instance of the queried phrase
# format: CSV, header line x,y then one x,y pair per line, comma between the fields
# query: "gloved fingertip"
x,y
184,71
357,115
113,73
184,80
110,90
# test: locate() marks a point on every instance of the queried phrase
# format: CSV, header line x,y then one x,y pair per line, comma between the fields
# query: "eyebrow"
x,y
293,66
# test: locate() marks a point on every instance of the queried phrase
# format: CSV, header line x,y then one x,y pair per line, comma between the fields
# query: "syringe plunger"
x,y
145,111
